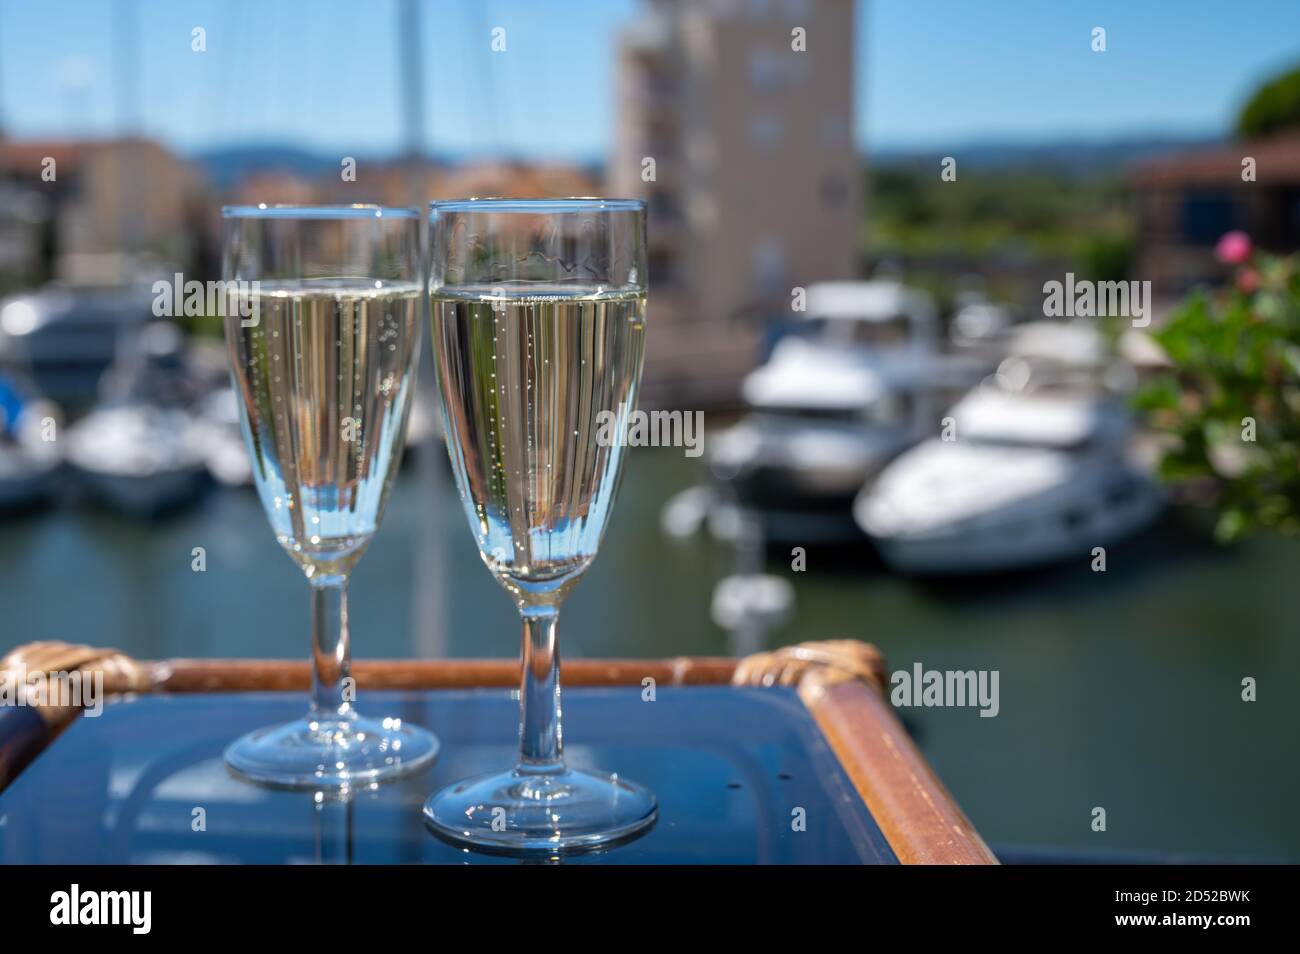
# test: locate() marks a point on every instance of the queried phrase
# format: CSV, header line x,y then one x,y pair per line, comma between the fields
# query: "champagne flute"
x,y
324,364
538,311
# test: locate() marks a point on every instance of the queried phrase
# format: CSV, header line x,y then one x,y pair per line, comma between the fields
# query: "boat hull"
x,y
1063,523
143,495
28,489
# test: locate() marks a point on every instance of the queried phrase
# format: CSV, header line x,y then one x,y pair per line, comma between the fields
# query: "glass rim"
x,y
537,206
303,211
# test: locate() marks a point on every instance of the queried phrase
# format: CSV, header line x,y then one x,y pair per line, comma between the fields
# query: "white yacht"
x,y
1031,476
63,339
860,382
142,452
217,428
138,459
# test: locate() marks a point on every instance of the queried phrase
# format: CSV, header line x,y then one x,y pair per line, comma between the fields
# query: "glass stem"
x,y
540,735
333,690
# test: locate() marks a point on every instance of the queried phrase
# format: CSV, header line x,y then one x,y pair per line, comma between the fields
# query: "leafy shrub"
x,y
1231,403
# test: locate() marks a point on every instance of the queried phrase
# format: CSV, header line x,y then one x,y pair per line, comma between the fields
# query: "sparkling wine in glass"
x,y
324,366
538,312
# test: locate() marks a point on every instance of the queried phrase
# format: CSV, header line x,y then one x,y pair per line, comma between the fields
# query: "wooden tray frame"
x,y
841,683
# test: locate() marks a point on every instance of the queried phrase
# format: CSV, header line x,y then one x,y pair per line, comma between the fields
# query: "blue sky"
x,y
323,74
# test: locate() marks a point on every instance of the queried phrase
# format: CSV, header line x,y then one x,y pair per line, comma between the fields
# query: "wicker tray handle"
x,y
832,661
120,672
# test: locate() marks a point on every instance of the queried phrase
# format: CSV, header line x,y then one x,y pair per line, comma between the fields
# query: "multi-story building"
x,y
735,123
108,204
1188,200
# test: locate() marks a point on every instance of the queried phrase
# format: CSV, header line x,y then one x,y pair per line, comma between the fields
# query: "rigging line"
x,y
125,67
410,77
234,21
200,76
428,86
344,140
2,75
272,104
125,32
311,69
490,69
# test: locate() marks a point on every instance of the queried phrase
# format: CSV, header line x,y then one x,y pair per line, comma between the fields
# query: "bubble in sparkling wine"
x,y
311,469
507,436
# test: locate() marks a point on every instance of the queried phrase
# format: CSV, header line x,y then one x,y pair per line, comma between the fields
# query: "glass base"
x,y
521,812
336,753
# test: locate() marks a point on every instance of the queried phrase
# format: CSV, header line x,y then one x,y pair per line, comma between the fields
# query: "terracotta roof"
x,y
516,181
1277,162
274,186
24,156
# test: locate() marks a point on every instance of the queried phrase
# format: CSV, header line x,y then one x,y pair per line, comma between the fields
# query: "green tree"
x,y
1274,107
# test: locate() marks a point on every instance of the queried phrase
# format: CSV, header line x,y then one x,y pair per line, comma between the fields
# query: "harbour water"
x,y
1120,690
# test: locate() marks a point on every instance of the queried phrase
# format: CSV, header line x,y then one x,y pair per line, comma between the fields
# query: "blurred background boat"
x,y
63,338
218,433
1033,475
141,451
138,459
29,454
856,380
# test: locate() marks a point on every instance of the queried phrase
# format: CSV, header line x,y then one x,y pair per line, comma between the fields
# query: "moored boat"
x,y
27,479
137,459
1028,479
860,382
217,430
63,338
29,450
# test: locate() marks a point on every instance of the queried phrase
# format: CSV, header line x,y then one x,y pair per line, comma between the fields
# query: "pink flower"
x,y
1234,248
1248,281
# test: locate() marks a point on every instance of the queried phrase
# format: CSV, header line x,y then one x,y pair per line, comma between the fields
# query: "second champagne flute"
x,y
539,328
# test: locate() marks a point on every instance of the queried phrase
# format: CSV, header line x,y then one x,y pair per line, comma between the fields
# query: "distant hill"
x,y
1075,157
226,166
